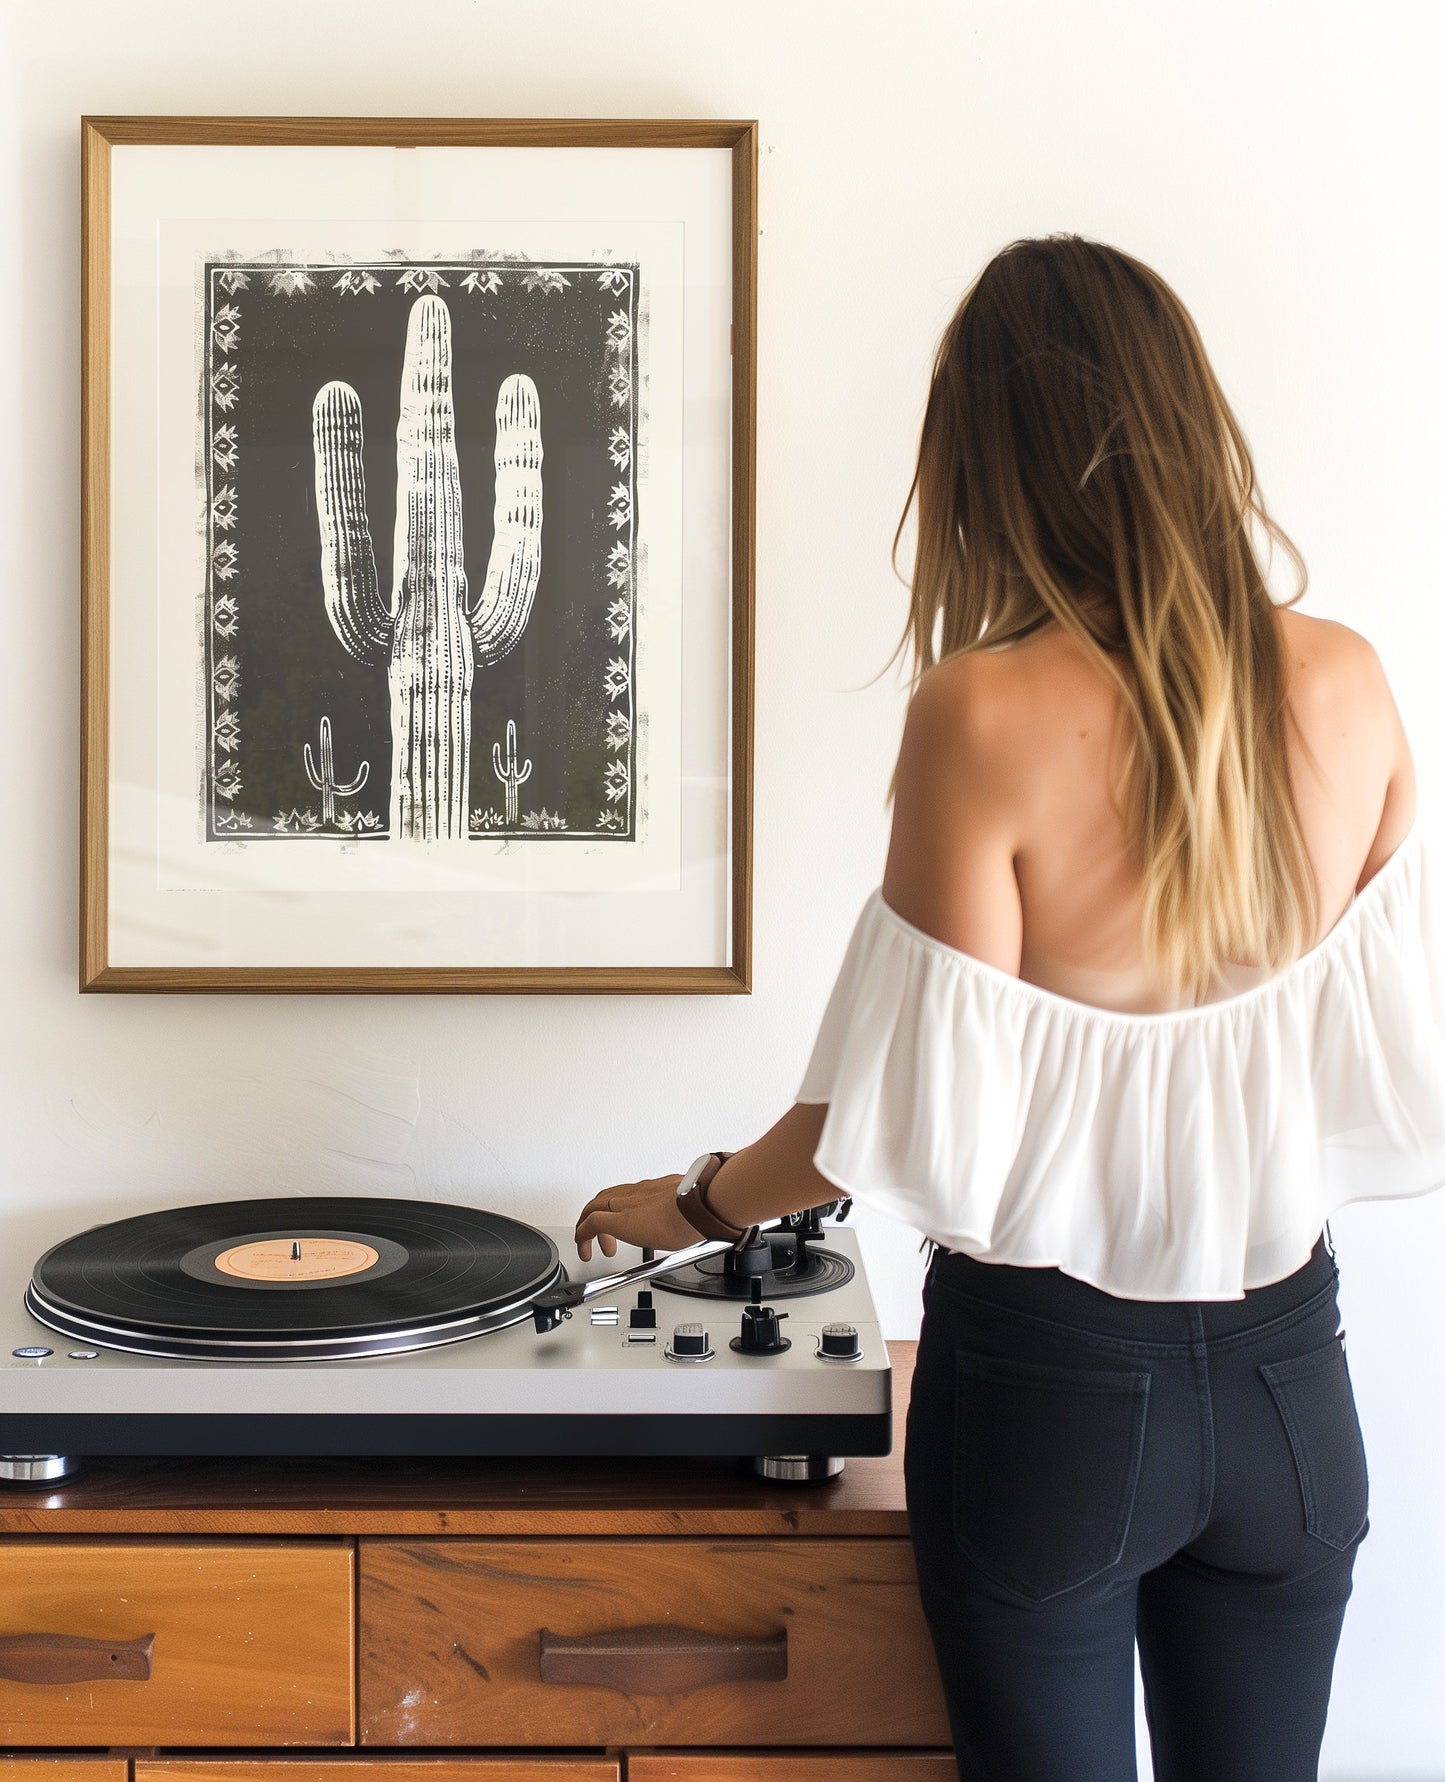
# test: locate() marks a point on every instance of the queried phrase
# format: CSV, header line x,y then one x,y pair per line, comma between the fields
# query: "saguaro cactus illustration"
x,y
325,781
428,635
507,772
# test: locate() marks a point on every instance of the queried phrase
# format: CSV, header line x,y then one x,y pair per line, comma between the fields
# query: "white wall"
x,y
1276,163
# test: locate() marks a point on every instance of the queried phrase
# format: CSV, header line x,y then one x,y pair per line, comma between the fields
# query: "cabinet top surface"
x,y
469,1497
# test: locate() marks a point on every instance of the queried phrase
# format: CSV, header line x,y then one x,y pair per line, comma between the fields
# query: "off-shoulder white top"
x,y
1189,1154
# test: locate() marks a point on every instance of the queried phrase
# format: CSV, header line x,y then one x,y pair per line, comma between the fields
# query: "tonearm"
x,y
556,1303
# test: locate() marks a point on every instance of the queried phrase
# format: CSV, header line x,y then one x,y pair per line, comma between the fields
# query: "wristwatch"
x,y
692,1201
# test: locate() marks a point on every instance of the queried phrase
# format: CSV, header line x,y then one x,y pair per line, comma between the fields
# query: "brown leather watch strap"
x,y
715,1162
694,1207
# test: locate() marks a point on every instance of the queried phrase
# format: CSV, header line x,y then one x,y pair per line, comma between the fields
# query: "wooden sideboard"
x,y
503,1621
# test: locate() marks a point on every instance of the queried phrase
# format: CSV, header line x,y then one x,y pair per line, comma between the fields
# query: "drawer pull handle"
x,y
71,1658
661,1660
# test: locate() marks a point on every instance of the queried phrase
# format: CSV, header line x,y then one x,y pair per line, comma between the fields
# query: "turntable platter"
x,y
293,1279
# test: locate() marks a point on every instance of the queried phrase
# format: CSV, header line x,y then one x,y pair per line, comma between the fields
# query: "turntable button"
x,y
32,1352
83,1354
689,1343
839,1342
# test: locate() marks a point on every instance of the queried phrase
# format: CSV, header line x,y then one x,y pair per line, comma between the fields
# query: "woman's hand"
x,y
640,1213
767,1179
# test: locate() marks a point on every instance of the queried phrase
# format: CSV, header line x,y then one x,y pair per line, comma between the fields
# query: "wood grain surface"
x,y
253,1643
469,1497
511,1768
775,1766
63,1769
451,1635
94,550
426,132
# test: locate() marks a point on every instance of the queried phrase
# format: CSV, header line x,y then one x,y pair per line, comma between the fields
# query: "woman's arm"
x,y
949,871
766,1179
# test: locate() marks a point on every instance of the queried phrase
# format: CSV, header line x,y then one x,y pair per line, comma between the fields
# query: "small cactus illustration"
x,y
508,772
429,635
325,781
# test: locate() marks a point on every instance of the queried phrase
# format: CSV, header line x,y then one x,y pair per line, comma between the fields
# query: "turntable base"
x,y
321,1326
478,1585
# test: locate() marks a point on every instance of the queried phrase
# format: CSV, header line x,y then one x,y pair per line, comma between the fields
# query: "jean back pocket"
x,y
1046,1469
1316,1403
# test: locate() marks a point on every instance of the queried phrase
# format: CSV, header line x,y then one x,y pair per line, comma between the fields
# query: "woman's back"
x,y
1009,842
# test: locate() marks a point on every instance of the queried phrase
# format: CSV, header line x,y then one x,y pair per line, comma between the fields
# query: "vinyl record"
x,y
302,1279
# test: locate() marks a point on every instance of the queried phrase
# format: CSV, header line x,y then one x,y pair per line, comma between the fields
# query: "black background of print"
x,y
293,669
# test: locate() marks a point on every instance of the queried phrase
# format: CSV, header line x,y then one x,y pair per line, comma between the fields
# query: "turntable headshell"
x,y
753,1258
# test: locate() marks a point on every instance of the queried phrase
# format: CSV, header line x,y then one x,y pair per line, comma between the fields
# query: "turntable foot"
x,y
35,1469
798,1469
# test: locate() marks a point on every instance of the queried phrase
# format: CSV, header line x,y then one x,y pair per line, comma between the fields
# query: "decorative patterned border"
x,y
482,273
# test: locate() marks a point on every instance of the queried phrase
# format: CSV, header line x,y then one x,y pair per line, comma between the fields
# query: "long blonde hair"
x,y
1076,442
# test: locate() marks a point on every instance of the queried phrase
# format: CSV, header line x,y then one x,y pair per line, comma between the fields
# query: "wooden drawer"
x,y
250,1643
383,1769
834,1766
62,1769
659,1642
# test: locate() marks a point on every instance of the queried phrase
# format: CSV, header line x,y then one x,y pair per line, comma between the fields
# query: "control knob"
x,y
839,1342
761,1333
689,1343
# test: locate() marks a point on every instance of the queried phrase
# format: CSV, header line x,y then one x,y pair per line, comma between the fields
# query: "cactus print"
x,y
483,414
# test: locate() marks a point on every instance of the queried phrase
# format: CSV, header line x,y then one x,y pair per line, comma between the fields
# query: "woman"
x,y
1140,1000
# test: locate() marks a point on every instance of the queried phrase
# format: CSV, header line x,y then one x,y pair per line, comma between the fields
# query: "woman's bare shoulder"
x,y
1325,654
1353,773
949,869
1011,698
1015,697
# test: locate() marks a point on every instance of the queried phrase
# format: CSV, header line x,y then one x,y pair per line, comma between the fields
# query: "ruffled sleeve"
x,y
1189,1154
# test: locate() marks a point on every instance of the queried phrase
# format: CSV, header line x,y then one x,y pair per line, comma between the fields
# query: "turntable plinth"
x,y
460,1566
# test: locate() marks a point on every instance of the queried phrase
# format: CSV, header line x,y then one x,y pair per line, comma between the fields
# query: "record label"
x,y
297,1259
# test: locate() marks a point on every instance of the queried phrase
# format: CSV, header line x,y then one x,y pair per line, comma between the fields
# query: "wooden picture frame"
x,y
144,924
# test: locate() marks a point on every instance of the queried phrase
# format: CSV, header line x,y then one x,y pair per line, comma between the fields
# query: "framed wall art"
x,y
418,481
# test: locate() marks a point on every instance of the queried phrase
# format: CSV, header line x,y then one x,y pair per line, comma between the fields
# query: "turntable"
x,y
366,1326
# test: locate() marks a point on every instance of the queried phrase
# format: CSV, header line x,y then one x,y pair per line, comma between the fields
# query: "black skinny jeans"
x,y
1084,1471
